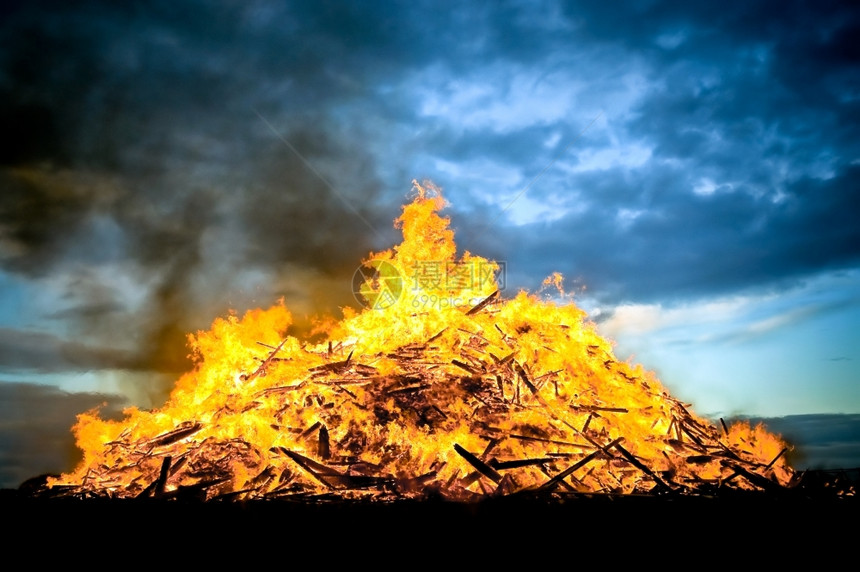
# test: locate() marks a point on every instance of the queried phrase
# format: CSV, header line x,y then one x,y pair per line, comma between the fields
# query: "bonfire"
x,y
440,386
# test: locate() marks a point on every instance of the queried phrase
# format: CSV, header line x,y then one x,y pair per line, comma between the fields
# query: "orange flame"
x,y
439,384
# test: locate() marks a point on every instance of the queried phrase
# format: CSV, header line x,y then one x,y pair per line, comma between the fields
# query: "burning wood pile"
x,y
439,387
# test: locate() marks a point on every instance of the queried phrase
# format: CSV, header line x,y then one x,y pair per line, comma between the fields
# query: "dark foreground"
x,y
735,529
816,523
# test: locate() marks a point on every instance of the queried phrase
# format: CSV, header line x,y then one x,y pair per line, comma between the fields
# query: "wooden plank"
x,y
587,421
435,336
593,408
780,454
642,467
156,487
491,444
316,470
264,365
465,366
310,429
333,366
323,448
504,335
524,376
480,305
480,465
553,441
758,480
436,407
280,389
569,488
554,482
339,381
474,335
506,487
516,464
177,464
161,483
414,388
582,433
182,431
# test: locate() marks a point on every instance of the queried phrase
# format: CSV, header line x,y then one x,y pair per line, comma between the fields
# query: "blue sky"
x,y
690,168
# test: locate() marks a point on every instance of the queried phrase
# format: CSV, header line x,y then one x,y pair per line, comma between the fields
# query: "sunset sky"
x,y
692,170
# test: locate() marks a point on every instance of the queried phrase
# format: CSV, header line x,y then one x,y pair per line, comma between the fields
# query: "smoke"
x,y
34,436
141,187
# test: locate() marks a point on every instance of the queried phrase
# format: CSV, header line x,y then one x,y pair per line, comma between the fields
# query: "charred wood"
x,y
480,465
482,304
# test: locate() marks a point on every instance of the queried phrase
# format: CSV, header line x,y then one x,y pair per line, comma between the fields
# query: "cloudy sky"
x,y
692,169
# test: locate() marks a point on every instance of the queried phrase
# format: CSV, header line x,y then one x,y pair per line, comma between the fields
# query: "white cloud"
x,y
736,318
705,187
626,217
552,140
640,319
628,155
501,100
670,41
526,210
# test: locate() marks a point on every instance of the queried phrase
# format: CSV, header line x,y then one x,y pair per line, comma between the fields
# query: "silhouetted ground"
x,y
734,529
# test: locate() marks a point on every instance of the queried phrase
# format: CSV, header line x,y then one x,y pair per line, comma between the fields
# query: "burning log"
x,y
775,459
464,366
552,483
324,449
642,467
264,365
483,303
481,466
156,489
316,470
185,429
524,376
552,441
501,465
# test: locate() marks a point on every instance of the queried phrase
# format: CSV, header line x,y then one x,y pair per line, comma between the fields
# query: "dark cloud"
x,y
729,108
135,142
821,441
38,352
684,245
219,157
35,436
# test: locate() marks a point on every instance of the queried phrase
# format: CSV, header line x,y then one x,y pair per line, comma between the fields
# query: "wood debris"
x,y
574,447
446,390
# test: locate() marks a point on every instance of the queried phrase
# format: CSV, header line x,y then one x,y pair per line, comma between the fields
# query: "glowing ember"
x,y
439,386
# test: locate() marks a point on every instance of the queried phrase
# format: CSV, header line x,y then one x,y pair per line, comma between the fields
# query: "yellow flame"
x,y
438,371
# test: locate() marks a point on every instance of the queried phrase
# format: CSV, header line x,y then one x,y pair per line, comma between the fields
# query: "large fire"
x,y
440,386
